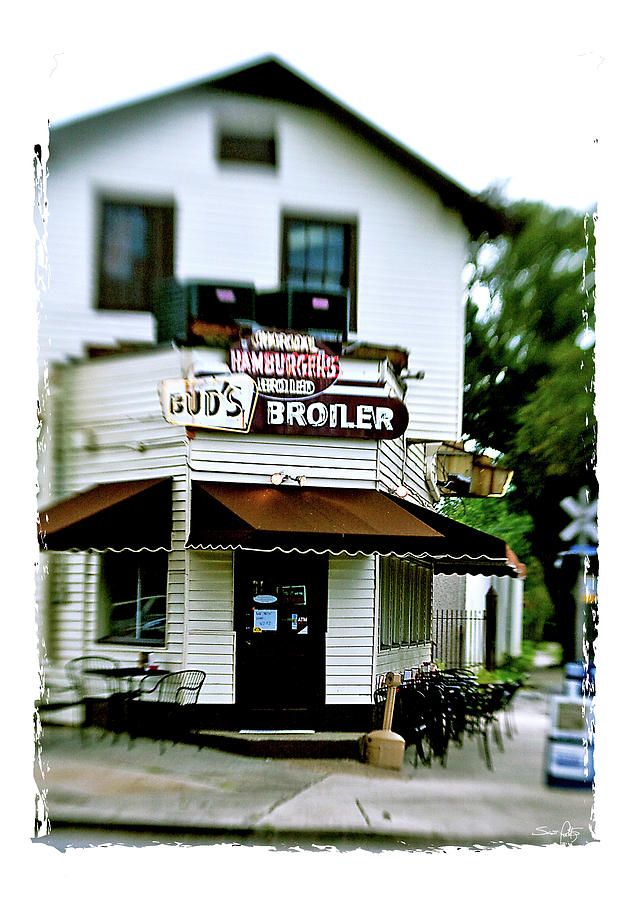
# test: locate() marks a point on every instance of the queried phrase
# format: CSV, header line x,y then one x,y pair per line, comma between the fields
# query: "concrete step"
x,y
288,744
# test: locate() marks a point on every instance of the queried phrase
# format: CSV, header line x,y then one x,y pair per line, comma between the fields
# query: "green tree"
x,y
494,515
529,374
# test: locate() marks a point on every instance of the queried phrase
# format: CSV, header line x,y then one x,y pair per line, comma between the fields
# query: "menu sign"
x,y
285,364
265,620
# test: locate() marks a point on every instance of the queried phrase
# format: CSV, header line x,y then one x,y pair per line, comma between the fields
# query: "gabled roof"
x,y
272,79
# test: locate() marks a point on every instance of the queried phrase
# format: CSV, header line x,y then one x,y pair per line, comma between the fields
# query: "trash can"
x,y
385,749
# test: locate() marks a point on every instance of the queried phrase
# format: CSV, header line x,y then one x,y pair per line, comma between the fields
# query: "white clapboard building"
x,y
252,352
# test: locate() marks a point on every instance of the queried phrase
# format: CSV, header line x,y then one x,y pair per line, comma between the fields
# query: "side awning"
x,y
328,520
124,515
462,537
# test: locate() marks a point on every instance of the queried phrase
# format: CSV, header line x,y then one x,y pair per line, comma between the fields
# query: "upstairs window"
x,y
136,248
320,253
132,608
246,148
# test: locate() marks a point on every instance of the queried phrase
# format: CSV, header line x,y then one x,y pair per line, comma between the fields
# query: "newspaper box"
x,y
569,754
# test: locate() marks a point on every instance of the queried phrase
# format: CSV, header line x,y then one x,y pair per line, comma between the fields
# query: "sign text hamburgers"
x,y
285,364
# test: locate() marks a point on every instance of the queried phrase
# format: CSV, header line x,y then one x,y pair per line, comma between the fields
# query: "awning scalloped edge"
x,y
504,563
108,549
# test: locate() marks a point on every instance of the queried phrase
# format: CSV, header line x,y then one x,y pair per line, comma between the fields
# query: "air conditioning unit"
x,y
325,314
272,309
177,304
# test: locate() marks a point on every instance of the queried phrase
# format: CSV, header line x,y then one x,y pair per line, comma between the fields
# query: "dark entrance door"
x,y
280,620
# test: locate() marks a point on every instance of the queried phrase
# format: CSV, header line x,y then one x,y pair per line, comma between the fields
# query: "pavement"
x,y
92,785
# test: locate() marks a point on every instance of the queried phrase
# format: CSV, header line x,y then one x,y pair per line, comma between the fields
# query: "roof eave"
x,y
269,78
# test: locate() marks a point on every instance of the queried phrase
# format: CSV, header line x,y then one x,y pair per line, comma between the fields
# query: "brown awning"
x,y
124,515
491,554
328,520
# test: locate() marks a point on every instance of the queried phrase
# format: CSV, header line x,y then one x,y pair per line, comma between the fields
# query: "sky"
x,y
496,92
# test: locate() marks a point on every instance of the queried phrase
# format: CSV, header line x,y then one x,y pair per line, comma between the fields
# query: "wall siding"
x,y
390,463
414,470
113,403
411,249
211,639
324,462
350,630
402,658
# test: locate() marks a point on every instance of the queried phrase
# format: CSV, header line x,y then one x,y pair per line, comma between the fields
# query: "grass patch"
x,y
497,675
512,668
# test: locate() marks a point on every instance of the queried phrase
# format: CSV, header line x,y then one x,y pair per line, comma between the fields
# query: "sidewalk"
x,y
134,785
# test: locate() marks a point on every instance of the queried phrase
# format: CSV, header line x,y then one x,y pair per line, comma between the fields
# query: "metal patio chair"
x,y
163,711
57,696
86,684
89,687
510,691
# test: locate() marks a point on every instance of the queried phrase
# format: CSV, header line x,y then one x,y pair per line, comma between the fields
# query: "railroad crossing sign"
x,y
583,526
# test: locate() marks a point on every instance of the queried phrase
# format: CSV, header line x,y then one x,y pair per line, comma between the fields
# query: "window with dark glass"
x,y
136,248
405,602
319,253
133,597
246,148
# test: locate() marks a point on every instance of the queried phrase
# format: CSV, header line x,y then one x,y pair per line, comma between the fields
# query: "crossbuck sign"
x,y
583,526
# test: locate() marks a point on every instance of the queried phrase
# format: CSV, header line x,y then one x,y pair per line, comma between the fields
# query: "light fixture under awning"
x,y
123,515
328,520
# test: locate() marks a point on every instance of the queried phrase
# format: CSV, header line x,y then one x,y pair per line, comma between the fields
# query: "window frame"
x,y
106,592
163,248
405,602
350,225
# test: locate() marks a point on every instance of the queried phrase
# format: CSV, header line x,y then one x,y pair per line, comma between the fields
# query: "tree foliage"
x,y
494,516
540,287
530,367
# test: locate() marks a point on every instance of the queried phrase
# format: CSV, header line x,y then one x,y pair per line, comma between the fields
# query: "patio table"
x,y
117,703
128,673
